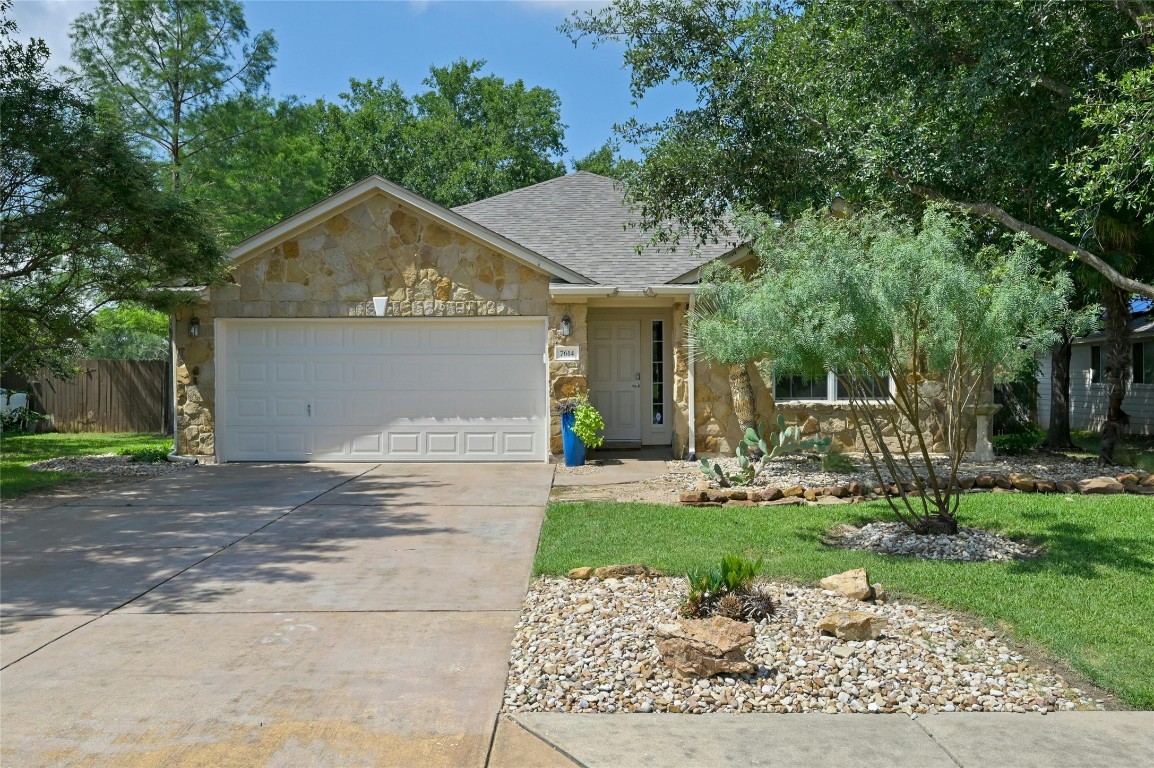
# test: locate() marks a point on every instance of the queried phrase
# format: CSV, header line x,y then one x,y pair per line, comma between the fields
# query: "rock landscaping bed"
x,y
109,464
798,480
592,645
970,544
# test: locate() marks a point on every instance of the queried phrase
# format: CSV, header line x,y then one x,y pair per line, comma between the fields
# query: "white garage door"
x,y
393,389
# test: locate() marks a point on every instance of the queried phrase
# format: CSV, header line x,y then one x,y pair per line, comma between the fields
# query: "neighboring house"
x,y
1088,386
495,311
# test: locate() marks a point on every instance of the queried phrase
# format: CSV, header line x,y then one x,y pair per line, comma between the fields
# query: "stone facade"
x,y
375,247
566,378
717,431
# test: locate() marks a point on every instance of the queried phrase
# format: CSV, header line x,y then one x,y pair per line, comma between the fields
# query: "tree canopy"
x,y
468,137
84,223
913,318
995,109
162,67
605,161
128,331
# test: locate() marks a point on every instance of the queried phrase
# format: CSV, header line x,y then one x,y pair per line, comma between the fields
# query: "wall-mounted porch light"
x,y
566,326
380,303
194,327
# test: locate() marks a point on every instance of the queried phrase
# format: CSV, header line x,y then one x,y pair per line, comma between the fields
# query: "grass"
x,y
1087,600
18,451
1132,450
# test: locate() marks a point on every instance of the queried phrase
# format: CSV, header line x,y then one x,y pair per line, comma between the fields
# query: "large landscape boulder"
x,y
853,625
705,647
621,571
855,584
1100,485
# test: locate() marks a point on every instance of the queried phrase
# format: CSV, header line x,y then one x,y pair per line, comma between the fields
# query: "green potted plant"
x,y
580,423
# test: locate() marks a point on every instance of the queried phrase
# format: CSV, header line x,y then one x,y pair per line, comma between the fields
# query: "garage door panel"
x,y
450,389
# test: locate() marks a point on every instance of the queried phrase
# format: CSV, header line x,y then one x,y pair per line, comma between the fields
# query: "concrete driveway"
x,y
282,615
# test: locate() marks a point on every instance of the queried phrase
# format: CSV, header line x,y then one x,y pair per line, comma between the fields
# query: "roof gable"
x,y
375,185
584,222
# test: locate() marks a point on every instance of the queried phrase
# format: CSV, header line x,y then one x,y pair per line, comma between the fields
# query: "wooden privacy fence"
x,y
106,396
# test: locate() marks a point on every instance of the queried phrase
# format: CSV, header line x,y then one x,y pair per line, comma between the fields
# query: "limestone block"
x,y
406,226
436,235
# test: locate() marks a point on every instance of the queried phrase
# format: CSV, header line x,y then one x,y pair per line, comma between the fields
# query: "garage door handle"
x,y
309,410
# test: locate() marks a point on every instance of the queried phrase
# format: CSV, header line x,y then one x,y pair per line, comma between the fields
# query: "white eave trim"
x,y
561,291
371,185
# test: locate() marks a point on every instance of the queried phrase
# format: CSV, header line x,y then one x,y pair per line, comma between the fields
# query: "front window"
x,y
1144,363
799,388
787,388
1096,364
866,388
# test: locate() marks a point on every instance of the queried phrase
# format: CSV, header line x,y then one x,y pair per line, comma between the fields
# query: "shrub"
x,y
729,591
20,420
146,455
1017,444
836,461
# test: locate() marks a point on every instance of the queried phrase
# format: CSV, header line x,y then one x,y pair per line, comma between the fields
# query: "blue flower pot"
x,y
574,448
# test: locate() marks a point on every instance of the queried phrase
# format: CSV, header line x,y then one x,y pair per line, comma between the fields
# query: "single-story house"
x,y
1088,399
379,326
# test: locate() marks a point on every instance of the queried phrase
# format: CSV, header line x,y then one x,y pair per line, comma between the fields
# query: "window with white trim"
x,y
829,389
1144,362
1096,364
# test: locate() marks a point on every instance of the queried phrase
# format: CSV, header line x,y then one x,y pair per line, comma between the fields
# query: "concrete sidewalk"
x,y
961,740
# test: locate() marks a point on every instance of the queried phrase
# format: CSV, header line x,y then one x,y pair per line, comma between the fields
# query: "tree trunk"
x,y
1058,432
1117,369
741,389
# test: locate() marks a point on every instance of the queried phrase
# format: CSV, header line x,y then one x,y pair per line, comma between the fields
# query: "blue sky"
x,y
325,42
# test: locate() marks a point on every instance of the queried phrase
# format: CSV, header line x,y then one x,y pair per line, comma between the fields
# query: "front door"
x,y
615,376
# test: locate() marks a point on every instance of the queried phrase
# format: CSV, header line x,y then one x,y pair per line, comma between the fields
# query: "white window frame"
x,y
830,391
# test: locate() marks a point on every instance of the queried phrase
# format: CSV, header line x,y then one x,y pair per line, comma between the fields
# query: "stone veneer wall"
x,y
717,430
566,379
377,247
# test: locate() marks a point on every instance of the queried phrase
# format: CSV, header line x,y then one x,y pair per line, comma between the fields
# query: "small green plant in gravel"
x,y
757,449
148,455
836,461
730,590
1019,443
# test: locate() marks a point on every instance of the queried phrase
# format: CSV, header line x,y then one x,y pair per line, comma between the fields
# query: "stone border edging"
x,y
1136,483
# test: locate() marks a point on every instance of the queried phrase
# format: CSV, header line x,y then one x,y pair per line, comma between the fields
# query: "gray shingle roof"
x,y
581,221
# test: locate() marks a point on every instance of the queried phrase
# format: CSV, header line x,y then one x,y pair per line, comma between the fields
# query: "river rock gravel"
x,y
807,471
970,544
109,464
590,646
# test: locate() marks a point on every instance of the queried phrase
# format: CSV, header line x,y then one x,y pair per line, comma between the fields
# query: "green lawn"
x,y
1132,450
18,451
1089,599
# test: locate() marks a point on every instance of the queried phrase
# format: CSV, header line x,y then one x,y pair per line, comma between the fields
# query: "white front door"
x,y
615,376
395,389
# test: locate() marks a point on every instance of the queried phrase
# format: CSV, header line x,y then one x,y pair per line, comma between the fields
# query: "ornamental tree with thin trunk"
x,y
720,333
915,319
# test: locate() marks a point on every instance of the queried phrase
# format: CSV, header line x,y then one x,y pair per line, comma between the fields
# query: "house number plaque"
x,y
567,354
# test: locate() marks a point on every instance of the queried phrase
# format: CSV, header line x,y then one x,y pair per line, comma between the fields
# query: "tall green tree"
x,y
721,331
974,105
605,161
468,137
163,66
128,331
912,317
83,223
272,168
